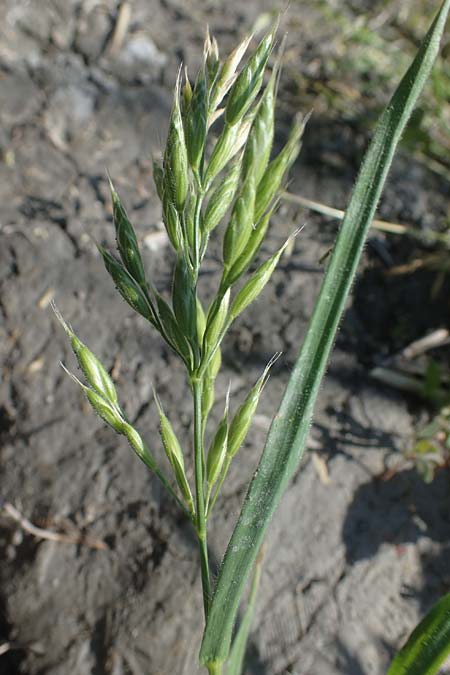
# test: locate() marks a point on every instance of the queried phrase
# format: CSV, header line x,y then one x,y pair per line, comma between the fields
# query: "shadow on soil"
x,y
400,511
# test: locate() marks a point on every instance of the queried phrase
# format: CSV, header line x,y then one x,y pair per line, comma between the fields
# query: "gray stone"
x,y
20,99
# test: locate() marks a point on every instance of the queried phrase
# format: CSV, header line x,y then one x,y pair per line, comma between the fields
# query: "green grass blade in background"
x,y
428,645
289,430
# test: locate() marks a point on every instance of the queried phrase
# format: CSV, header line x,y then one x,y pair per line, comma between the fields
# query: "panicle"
x,y
195,198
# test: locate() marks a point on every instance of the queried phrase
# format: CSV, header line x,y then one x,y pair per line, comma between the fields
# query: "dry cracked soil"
x,y
359,547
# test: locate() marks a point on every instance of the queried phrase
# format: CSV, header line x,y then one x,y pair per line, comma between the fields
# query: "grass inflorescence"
x,y
218,169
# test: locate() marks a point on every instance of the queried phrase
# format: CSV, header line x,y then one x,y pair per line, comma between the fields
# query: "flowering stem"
x,y
197,387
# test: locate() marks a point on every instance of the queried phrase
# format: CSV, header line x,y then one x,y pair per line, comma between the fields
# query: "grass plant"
x,y
218,165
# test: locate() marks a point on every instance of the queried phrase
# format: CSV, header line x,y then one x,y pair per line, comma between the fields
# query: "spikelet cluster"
x,y
217,168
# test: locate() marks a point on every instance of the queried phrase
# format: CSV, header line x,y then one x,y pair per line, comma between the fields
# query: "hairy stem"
x,y
197,387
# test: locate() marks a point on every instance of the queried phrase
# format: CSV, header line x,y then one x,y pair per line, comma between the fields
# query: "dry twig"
x,y
120,28
40,533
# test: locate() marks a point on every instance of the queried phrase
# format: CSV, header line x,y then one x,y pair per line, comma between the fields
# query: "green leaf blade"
x,y
428,645
289,430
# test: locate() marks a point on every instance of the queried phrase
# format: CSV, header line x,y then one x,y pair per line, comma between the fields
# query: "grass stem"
x,y
197,388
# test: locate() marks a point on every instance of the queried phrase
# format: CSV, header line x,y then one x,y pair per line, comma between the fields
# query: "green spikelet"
x,y
126,240
249,81
174,454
